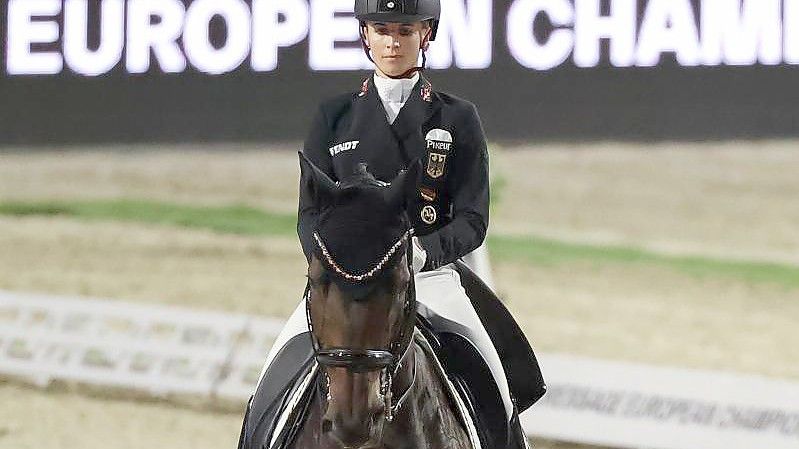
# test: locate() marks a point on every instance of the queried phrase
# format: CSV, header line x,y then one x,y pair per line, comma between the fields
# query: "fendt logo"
x,y
48,37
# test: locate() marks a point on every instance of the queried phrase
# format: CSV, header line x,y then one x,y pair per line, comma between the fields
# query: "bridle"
x,y
388,362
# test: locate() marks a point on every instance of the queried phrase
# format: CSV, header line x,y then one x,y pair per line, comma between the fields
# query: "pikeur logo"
x,y
440,146
346,146
439,140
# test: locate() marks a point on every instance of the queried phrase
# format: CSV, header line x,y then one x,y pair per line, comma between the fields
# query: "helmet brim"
x,y
394,17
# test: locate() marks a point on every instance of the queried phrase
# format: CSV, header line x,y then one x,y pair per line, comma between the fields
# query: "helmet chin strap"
x,y
408,73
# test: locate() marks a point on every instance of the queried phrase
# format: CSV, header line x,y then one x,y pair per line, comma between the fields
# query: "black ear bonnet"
x,y
361,221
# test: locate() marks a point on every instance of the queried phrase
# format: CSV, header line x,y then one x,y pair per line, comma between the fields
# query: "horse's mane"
x,y
359,228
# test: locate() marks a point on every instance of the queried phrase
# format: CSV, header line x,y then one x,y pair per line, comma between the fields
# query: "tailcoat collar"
x,y
407,129
395,90
420,106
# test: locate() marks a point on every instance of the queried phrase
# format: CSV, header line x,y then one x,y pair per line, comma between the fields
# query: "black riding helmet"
x,y
400,11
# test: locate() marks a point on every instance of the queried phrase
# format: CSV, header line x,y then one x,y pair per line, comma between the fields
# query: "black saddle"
x,y
521,365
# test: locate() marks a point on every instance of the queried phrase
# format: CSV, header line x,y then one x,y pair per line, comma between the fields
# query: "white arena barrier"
x,y
164,350
155,349
629,405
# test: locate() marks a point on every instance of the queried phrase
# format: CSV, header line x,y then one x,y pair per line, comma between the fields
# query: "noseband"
x,y
388,362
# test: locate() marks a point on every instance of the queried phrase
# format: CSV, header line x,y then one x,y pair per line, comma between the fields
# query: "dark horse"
x,y
377,386
371,375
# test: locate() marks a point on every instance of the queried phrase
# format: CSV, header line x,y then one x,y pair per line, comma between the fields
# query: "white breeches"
x,y
479,263
441,291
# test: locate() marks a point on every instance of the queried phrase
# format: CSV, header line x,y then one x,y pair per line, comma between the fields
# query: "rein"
x,y
388,362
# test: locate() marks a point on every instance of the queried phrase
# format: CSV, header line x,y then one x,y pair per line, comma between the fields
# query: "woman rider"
x,y
394,118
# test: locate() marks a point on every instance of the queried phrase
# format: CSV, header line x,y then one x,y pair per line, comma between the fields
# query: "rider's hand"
x,y
419,255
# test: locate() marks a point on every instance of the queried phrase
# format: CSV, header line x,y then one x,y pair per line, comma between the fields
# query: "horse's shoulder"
x,y
286,378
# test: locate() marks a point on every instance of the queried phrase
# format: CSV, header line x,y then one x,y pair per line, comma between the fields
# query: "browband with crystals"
x,y
360,277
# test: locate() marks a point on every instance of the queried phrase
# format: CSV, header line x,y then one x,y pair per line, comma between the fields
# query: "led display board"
x,y
186,70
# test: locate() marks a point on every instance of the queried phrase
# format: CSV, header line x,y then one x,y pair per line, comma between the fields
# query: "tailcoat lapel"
x,y
369,113
370,127
382,145
409,125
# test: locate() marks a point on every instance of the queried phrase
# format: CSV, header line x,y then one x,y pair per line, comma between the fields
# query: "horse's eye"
x,y
322,280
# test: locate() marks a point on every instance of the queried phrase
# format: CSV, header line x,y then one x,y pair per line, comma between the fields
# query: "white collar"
x,y
395,90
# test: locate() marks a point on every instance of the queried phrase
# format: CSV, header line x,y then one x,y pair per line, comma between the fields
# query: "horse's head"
x,y
361,303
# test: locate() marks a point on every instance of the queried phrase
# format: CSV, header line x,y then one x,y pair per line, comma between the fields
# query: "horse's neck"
x,y
426,418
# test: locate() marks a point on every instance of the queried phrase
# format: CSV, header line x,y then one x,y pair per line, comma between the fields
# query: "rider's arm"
x,y
469,183
315,149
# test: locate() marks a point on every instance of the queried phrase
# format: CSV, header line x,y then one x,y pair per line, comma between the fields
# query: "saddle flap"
x,y
525,380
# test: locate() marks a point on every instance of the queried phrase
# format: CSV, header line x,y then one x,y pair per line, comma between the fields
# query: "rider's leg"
x,y
479,263
296,324
441,291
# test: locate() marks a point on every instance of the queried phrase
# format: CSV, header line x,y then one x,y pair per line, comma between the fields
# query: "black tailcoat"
x,y
450,212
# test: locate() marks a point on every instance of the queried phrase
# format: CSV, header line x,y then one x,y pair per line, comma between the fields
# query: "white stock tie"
x,y
394,93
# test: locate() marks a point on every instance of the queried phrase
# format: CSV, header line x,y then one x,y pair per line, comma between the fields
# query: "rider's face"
x,y
395,46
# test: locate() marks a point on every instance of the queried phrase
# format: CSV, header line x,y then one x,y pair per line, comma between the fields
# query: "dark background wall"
x,y
516,103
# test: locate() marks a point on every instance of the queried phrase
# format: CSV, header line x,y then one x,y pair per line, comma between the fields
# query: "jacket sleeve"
x,y
470,198
315,149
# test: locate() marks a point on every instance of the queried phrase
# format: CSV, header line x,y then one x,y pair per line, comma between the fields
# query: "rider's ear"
x,y
403,188
314,182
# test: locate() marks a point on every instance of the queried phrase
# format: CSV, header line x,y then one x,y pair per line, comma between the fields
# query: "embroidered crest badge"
x,y
427,194
429,215
427,92
435,164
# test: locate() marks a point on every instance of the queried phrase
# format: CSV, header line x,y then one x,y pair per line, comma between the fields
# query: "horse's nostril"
x,y
327,425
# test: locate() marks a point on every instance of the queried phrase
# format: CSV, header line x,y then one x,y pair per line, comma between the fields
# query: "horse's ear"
x,y
314,182
403,188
